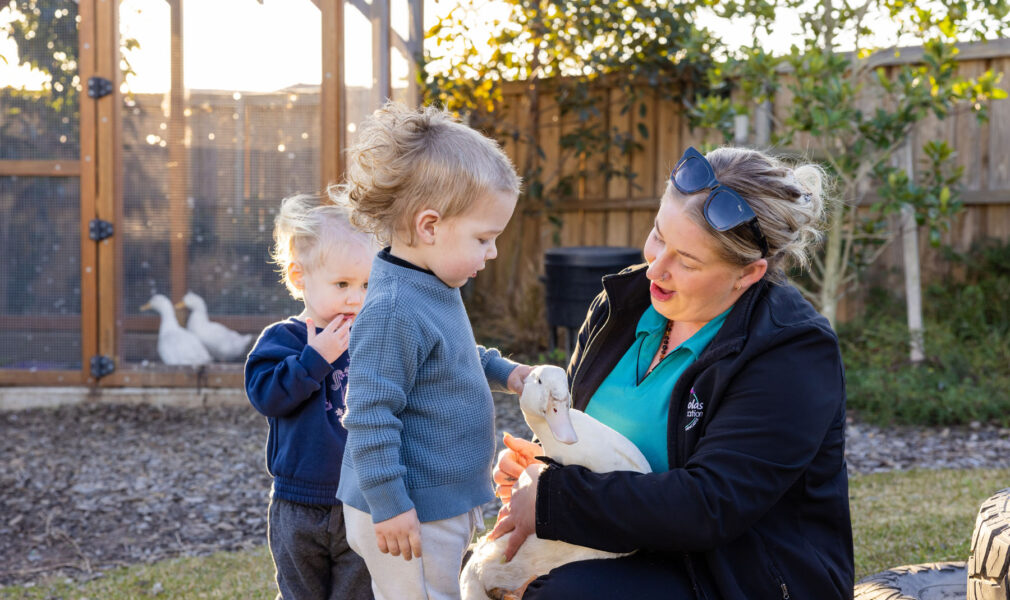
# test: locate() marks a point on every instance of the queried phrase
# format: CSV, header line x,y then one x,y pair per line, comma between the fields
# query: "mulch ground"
x,y
92,486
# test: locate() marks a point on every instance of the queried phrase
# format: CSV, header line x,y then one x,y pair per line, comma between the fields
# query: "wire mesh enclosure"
x,y
145,150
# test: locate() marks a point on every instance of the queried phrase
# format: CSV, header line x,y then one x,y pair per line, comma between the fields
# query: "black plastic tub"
x,y
573,277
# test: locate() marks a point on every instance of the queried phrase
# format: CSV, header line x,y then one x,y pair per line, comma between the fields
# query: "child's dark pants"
x,y
310,551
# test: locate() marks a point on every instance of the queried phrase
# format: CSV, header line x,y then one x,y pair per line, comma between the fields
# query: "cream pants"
x,y
435,576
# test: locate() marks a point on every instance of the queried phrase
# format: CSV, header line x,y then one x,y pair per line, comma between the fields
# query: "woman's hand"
x,y
517,455
400,534
520,515
517,378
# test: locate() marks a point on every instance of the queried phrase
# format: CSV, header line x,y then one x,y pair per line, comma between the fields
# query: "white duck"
x,y
176,346
568,436
223,343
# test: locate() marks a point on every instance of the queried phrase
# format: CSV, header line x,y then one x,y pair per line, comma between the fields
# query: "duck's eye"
x,y
538,380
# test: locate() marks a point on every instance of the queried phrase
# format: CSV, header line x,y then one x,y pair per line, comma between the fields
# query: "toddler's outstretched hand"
x,y
333,340
401,534
517,378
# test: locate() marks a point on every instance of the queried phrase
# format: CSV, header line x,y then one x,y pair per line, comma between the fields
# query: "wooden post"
x,y
382,82
416,46
177,167
332,138
107,178
89,252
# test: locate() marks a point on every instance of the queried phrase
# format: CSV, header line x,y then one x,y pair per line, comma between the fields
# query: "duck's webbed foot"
x,y
516,594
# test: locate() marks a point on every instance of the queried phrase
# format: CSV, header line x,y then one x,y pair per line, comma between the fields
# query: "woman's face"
x,y
689,281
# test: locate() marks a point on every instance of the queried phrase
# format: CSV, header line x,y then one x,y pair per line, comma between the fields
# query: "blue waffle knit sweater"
x,y
302,397
420,418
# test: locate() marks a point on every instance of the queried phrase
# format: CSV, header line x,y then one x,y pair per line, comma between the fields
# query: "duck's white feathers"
x,y
598,448
223,343
176,346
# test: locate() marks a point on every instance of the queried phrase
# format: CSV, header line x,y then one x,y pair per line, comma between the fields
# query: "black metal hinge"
x,y
99,87
101,366
98,229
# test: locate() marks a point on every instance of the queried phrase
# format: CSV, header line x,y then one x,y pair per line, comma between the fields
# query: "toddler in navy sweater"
x,y
296,376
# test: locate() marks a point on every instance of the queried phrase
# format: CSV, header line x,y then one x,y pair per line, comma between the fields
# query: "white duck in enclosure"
x,y
223,343
176,346
570,437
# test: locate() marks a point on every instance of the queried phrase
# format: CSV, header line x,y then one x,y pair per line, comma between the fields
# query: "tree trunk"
x,y
913,281
834,270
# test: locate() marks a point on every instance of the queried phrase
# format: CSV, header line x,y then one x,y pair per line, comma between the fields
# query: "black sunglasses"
x,y
724,208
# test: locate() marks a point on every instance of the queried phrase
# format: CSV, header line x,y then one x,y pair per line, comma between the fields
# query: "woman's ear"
x,y
295,274
426,225
751,274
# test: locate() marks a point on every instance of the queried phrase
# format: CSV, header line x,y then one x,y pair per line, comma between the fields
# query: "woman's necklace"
x,y
662,346
666,340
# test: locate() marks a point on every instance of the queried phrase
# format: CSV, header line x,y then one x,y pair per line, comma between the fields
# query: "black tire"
x,y
931,581
988,576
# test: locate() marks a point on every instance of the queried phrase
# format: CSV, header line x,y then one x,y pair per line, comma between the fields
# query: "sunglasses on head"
x,y
724,208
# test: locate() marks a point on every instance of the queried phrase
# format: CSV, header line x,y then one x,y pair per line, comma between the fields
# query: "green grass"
x,y
917,516
248,575
897,518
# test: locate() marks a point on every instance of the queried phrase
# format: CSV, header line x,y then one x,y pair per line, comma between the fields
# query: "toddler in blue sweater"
x,y
296,376
420,416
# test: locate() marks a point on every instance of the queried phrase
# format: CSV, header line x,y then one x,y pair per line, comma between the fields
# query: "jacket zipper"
x,y
589,344
778,576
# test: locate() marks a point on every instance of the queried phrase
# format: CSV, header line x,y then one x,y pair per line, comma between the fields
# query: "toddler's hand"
x,y
401,534
333,340
517,378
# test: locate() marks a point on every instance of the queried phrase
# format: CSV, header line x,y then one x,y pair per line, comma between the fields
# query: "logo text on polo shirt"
x,y
695,410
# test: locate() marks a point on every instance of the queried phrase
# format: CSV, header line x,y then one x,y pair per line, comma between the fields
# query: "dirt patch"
x,y
91,486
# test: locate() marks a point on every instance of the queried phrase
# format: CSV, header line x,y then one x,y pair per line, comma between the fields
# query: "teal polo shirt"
x,y
636,404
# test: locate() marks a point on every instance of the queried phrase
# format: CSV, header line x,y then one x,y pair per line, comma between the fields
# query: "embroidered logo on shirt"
x,y
339,379
695,410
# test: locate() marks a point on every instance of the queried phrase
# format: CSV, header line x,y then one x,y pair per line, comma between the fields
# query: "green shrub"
x,y
966,374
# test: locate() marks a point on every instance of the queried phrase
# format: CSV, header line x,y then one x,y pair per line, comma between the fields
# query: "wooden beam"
x,y
416,45
243,323
332,99
35,378
107,178
381,73
177,167
86,68
210,376
37,322
41,168
968,197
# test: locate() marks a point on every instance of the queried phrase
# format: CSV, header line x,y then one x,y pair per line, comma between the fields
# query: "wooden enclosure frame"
x,y
99,170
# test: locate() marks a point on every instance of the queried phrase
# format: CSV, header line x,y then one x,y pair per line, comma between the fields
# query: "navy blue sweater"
x,y
302,397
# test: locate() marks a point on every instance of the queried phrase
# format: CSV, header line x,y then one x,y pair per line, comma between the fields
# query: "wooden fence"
x,y
619,212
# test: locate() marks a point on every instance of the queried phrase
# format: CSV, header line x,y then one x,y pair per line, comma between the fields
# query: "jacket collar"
x,y
628,291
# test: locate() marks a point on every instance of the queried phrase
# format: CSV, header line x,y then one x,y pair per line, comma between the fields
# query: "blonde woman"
x,y
732,386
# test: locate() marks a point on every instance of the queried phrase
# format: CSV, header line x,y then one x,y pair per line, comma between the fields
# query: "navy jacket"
x,y
755,503
302,397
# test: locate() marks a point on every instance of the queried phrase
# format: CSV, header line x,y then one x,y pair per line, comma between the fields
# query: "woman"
x,y
732,386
